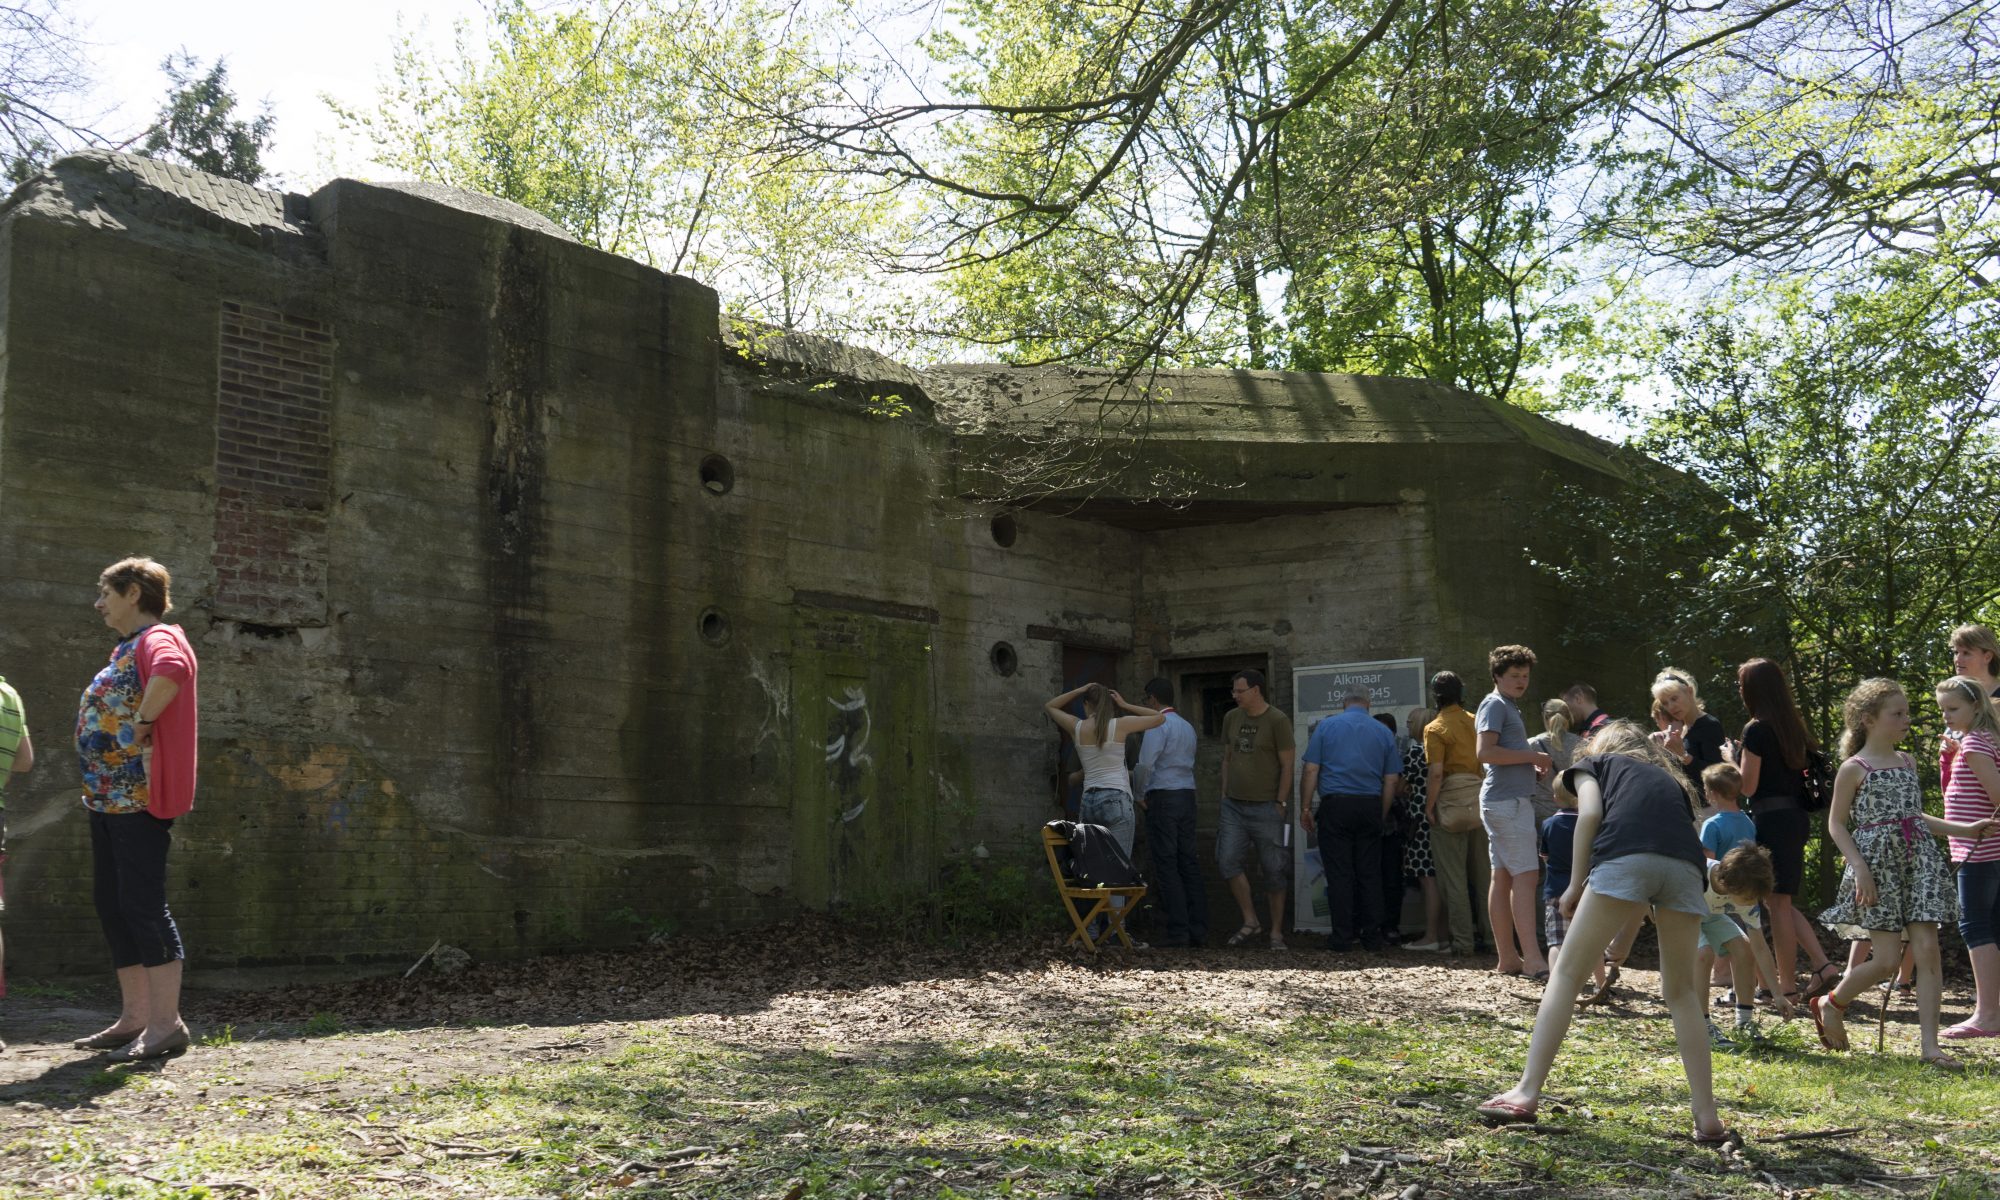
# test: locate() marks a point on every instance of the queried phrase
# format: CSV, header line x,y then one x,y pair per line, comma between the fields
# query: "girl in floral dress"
x,y
1897,883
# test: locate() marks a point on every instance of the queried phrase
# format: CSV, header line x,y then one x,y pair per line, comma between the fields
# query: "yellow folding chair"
x,y
1069,891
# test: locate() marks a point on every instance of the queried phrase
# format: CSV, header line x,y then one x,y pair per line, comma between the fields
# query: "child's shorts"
x,y
1553,920
1657,879
1718,930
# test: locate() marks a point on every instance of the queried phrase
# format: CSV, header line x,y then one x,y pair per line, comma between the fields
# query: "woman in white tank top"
x,y
1100,746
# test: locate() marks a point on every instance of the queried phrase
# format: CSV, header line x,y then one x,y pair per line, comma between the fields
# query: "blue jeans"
x,y
1979,903
1112,809
1176,867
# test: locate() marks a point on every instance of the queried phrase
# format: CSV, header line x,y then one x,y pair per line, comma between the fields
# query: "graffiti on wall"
x,y
847,757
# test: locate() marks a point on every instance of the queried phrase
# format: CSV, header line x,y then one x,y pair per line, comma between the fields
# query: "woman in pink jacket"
x,y
135,742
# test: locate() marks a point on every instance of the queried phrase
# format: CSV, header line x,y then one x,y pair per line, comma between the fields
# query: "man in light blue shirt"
x,y
1164,780
1353,768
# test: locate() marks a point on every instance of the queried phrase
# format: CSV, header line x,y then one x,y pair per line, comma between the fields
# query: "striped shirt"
x,y
1965,798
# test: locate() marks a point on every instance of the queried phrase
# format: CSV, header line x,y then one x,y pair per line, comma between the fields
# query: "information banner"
x,y
1395,686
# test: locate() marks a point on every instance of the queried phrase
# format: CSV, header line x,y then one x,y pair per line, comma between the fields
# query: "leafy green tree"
x,y
198,125
1836,503
1120,184
636,127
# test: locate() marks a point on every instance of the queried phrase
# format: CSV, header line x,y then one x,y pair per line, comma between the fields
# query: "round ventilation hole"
x,y
1004,660
1005,530
717,476
714,627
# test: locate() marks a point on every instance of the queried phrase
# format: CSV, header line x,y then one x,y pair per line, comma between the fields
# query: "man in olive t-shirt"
x,y
1257,758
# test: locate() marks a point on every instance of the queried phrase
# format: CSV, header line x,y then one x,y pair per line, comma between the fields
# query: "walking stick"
x,y
1882,1021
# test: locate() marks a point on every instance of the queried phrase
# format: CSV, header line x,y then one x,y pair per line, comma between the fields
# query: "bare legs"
x,y
1239,887
1510,906
1786,922
1597,920
1885,957
149,1008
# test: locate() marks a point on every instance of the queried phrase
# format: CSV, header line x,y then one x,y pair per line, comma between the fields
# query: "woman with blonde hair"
x,y
1559,744
1692,737
1975,654
1100,746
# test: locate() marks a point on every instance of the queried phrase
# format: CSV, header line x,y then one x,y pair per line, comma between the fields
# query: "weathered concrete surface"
x,y
593,618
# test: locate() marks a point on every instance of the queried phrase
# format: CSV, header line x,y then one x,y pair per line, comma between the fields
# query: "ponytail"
x,y
1098,701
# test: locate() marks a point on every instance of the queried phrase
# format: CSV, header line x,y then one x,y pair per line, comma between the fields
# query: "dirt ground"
x,y
318,1046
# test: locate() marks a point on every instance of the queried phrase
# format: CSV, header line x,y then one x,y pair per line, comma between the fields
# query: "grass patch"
x,y
1118,1103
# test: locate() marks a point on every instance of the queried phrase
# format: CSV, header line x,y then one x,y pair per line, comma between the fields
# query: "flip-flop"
x,y
1813,1006
1966,1029
1943,1062
1505,1112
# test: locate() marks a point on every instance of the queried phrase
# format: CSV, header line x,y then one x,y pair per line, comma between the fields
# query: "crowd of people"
x,y
1556,849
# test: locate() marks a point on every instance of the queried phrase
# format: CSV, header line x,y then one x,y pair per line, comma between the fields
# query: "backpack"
x,y
1816,782
1094,858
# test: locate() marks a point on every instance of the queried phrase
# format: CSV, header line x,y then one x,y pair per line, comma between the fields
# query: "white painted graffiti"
x,y
847,746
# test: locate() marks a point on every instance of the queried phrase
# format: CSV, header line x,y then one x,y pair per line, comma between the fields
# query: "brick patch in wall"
x,y
273,465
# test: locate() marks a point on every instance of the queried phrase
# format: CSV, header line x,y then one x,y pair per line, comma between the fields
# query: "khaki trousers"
x,y
1464,872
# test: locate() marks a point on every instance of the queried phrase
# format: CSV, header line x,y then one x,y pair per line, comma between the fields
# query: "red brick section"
x,y
273,456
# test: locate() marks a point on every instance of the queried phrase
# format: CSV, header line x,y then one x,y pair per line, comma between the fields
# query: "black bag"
x,y
1093,857
1816,786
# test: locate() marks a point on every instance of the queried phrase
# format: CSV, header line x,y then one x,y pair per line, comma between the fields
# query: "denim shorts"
x,y
1660,880
1718,930
1510,835
1247,828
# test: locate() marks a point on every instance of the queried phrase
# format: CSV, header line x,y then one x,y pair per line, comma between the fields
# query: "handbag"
x,y
1458,803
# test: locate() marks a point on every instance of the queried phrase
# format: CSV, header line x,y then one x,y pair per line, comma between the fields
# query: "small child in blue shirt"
x,y
1734,890
1557,842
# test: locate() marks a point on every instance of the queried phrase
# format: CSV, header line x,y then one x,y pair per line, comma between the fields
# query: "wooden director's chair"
x,y
1070,892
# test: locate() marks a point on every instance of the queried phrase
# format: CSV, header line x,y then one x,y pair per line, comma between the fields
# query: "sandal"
x,y
1243,935
1817,1007
1603,993
1498,1111
1821,985
1944,1062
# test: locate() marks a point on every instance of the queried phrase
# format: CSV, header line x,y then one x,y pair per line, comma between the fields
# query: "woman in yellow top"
x,y
1451,804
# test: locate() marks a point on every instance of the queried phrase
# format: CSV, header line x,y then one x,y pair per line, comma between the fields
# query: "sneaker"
x,y
1717,1039
1428,947
1278,943
1725,1000
1750,1034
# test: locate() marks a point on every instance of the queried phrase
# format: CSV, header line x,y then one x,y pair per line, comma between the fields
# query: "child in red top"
x,y
1971,792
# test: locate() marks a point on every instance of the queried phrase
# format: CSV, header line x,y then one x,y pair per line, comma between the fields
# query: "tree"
x,y
1838,131
1837,492
197,125
635,127
43,75
1155,146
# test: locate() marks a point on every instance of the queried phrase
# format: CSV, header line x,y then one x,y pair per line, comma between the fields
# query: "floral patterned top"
x,y
114,769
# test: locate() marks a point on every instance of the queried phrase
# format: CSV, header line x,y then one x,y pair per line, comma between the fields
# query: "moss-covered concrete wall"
x,y
536,611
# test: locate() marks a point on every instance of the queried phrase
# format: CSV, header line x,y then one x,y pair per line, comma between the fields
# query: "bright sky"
x,y
288,54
